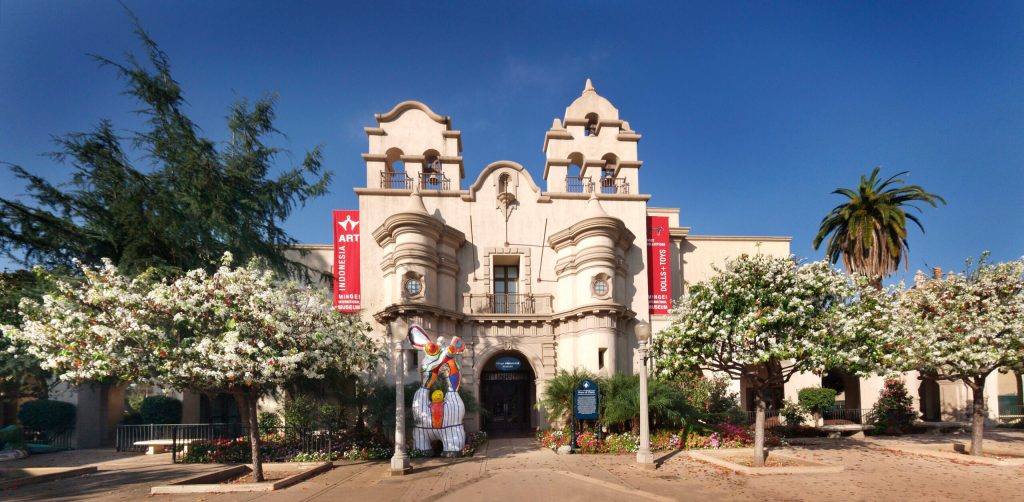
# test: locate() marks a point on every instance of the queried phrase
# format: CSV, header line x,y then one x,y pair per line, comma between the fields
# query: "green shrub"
x,y
132,418
12,438
47,415
710,398
331,417
817,399
160,410
894,412
557,399
620,403
135,401
268,423
793,413
300,414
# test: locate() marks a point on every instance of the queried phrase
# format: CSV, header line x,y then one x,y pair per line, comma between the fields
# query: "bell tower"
x,y
591,149
413,145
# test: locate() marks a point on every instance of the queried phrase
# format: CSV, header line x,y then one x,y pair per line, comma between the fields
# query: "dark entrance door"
x,y
506,397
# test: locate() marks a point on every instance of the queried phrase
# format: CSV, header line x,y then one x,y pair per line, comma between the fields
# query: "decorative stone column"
x,y
400,460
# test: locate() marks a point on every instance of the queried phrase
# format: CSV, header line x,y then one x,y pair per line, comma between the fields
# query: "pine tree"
x,y
164,197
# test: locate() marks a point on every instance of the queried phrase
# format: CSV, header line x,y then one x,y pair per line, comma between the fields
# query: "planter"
x,y
282,475
957,451
735,458
11,478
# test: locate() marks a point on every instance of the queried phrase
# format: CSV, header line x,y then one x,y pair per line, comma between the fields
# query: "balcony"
x,y
395,180
508,304
434,181
614,186
578,184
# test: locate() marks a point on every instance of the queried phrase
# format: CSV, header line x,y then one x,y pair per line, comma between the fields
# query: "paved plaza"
x,y
517,469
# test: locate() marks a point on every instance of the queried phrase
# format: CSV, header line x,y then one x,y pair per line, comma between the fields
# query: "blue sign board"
x,y
508,363
584,400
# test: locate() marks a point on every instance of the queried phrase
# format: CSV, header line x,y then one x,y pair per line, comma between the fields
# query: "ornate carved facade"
x,y
555,278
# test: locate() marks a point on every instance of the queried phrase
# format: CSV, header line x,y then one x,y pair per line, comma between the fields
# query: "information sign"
x,y
585,400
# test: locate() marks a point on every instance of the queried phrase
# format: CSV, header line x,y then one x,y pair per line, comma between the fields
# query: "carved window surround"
x,y
524,266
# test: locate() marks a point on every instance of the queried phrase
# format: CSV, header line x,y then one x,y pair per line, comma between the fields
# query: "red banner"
x,y
346,261
659,280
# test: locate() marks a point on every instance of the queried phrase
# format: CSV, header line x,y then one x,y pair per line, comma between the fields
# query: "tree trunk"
x,y
251,399
759,430
978,419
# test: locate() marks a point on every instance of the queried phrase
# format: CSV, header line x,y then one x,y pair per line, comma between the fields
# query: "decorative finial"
x,y
416,201
556,124
594,208
589,87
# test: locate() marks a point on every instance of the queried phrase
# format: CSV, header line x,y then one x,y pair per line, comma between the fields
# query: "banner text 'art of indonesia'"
x,y
346,261
658,279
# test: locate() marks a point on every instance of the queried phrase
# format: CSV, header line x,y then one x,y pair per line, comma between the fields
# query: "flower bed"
x,y
281,448
717,437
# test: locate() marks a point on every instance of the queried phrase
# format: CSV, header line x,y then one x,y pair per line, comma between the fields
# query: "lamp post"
x,y
644,457
400,460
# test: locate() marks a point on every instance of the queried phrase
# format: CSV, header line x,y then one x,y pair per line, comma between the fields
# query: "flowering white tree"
x,y
761,319
963,327
98,328
237,330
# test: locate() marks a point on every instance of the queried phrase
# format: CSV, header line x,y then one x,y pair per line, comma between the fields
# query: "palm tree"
x,y
557,400
620,403
870,230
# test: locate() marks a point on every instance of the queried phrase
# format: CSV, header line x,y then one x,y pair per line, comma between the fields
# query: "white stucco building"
x,y
551,273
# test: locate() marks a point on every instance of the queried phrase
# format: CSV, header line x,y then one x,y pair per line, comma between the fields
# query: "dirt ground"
x,y
517,469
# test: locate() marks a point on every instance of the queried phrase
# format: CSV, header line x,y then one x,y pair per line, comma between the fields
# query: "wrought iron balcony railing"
x,y
395,180
434,181
509,303
614,185
578,184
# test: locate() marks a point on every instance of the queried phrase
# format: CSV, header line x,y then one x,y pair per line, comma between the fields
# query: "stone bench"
x,y
940,427
155,446
836,431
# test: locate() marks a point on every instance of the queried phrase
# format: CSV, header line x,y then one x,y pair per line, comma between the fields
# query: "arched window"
x,y
573,180
591,128
394,170
432,178
503,183
608,182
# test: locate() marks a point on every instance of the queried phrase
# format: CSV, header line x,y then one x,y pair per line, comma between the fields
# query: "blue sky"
x,y
752,112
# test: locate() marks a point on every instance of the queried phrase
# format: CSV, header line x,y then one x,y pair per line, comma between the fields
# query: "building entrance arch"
x,y
507,394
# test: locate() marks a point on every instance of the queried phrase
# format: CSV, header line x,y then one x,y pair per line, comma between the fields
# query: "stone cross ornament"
x,y
438,415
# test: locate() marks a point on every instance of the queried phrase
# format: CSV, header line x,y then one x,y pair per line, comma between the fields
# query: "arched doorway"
x,y
507,394
929,395
847,387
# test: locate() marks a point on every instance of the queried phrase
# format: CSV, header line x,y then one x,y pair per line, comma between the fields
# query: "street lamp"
x,y
644,457
400,460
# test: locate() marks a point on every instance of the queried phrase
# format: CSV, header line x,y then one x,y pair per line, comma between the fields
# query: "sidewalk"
x,y
121,476
517,469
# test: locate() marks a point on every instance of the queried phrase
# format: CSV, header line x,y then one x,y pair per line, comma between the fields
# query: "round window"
x,y
413,286
601,287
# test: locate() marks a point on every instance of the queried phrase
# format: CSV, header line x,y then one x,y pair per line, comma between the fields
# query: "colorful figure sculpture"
x,y
438,416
